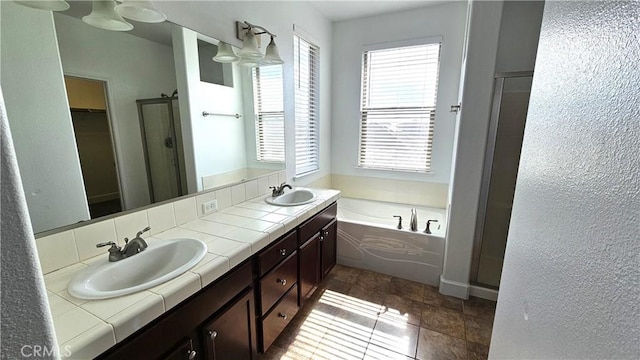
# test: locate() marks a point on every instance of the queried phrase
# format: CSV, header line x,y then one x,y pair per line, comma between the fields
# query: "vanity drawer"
x,y
277,252
277,282
280,316
313,225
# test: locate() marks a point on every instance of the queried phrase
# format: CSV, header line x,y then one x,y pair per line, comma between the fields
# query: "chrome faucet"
x,y
413,223
131,247
279,190
428,229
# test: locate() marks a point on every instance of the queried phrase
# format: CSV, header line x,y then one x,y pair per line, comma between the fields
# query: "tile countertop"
x,y
87,328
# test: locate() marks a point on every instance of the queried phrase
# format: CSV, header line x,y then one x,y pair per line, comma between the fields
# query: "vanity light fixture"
x,y
104,16
51,5
140,10
250,54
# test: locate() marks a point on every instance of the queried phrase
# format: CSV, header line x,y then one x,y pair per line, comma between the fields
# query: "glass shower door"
x,y
509,113
161,148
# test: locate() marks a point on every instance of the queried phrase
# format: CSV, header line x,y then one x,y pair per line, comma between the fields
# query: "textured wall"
x,y
570,285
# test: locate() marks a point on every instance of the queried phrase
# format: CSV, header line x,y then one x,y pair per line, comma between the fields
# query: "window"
x,y
269,112
306,70
398,107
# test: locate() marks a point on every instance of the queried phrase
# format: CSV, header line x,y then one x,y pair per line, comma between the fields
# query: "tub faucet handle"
x,y
428,230
399,221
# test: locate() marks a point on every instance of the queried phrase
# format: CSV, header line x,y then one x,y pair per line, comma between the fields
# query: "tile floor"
x,y
360,314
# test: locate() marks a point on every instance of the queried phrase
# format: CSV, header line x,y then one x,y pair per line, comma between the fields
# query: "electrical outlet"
x,y
209,206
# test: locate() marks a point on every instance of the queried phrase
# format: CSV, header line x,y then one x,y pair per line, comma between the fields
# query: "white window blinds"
x,y
306,70
268,105
398,106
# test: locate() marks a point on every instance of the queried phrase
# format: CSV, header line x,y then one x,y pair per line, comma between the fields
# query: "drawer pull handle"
x,y
282,282
191,354
283,252
283,316
213,334
321,238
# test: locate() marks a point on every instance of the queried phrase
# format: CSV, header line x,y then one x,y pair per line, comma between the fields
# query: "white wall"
x,y
39,117
217,19
218,142
349,38
134,68
471,133
571,279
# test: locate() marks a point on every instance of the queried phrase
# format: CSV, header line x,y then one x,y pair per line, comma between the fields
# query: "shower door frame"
x,y
176,158
487,169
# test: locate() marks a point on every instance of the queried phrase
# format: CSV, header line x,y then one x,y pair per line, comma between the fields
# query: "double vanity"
x,y
231,305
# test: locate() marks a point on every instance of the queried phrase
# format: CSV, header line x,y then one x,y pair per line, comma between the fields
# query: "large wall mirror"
x,y
132,118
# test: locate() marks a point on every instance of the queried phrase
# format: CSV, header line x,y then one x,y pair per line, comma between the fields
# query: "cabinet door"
x,y
329,246
309,267
184,351
232,334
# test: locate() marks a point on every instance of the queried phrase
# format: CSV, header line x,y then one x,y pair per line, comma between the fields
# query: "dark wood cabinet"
x,y
309,267
184,351
231,335
318,252
246,309
328,246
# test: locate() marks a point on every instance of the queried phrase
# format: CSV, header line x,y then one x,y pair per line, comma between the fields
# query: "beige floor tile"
x,y
433,345
397,307
399,337
407,288
443,320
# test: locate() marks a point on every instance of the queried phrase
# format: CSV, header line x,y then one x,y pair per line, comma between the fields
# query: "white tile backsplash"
x,y
224,198
88,236
201,199
251,189
274,180
263,185
57,251
185,210
161,218
238,194
128,225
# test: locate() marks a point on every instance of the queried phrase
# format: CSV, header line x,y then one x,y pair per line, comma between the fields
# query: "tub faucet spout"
x,y
414,220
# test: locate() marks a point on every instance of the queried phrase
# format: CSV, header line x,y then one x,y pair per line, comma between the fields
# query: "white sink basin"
x,y
293,198
162,261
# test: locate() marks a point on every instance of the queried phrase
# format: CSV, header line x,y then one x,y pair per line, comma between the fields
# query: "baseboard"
x,y
454,288
483,293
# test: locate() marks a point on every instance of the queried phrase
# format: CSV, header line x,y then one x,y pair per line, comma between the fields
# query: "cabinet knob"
x,y
283,252
283,316
191,354
321,238
282,282
213,334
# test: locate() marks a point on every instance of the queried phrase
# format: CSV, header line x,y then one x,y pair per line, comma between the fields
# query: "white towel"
x,y
26,323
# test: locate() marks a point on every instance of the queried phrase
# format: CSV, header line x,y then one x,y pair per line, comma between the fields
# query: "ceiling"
x,y
343,10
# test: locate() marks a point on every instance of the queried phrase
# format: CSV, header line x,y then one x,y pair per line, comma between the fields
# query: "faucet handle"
x,y
106,244
428,229
399,221
143,231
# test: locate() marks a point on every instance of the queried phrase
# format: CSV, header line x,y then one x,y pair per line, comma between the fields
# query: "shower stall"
x,y
504,142
163,151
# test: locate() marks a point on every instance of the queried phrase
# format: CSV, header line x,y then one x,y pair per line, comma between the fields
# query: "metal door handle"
x,y
191,354
213,334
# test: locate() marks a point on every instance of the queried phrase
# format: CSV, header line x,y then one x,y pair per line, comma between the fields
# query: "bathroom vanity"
x,y
243,311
